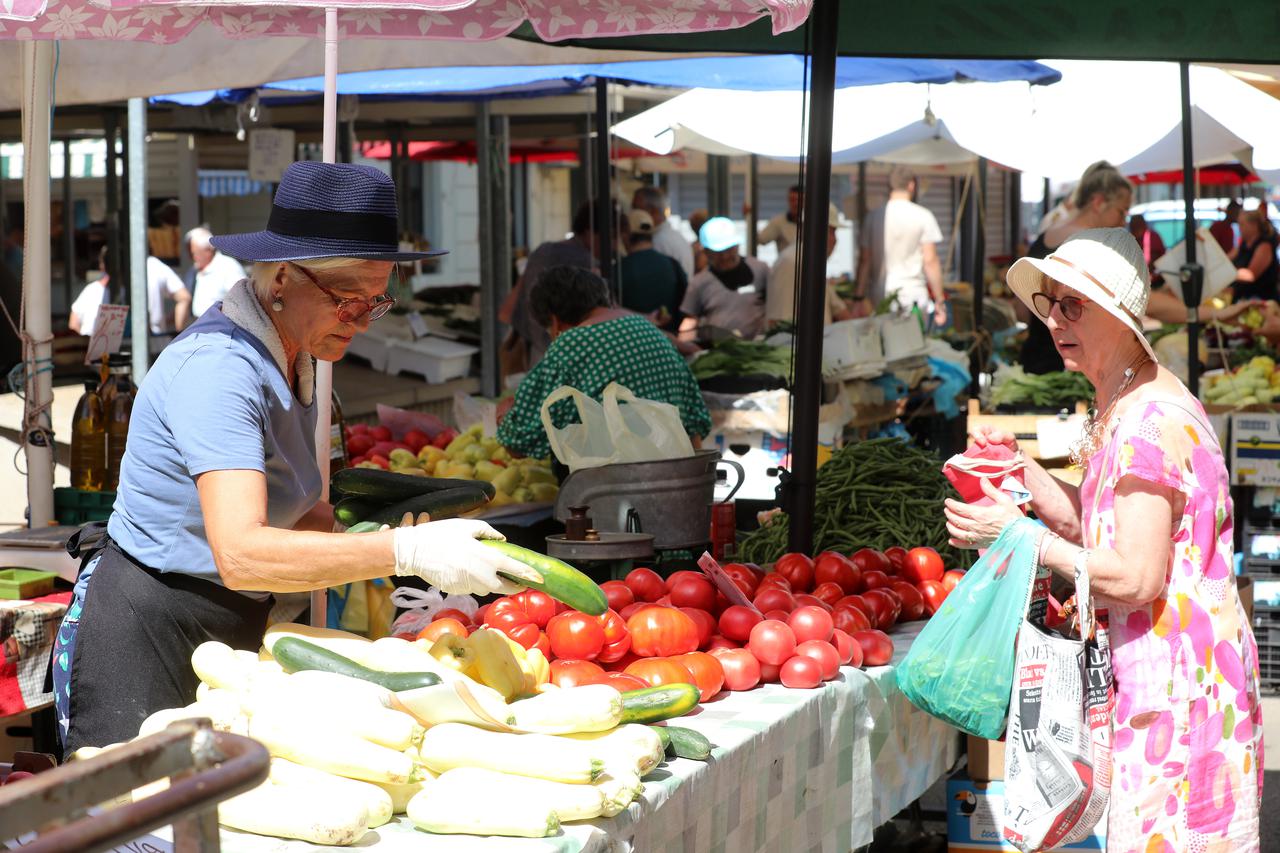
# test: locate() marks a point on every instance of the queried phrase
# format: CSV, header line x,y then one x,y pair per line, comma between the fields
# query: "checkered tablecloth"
x,y
27,632
796,770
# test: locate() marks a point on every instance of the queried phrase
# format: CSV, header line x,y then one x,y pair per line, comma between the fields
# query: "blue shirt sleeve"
x,y
216,412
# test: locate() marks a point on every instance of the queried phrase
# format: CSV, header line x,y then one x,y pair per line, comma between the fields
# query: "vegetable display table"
x,y
792,770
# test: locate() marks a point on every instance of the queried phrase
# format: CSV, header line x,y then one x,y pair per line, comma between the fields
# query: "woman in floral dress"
x,y
1153,519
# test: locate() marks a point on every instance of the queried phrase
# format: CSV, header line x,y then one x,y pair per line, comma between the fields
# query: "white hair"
x,y
264,272
200,237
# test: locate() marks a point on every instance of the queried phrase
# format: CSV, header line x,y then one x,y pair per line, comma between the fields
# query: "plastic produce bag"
x,y
960,667
610,432
421,607
993,462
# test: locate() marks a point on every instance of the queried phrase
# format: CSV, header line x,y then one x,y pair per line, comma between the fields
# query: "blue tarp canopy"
x,y
750,73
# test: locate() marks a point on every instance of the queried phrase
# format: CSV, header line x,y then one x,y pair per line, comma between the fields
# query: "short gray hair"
x,y
264,272
200,237
651,198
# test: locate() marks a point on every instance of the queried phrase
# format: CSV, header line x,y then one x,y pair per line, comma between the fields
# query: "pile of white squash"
x,y
347,755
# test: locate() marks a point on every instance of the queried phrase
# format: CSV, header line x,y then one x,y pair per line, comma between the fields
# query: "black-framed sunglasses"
x,y
1072,306
351,310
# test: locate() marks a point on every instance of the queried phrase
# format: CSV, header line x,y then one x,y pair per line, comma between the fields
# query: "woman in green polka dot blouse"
x,y
593,344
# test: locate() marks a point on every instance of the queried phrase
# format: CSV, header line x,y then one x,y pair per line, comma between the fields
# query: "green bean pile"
x,y
872,494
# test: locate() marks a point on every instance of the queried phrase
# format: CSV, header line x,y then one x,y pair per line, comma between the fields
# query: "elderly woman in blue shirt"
x,y
218,505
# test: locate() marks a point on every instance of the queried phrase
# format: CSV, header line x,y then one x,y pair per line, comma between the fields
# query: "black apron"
x,y
133,646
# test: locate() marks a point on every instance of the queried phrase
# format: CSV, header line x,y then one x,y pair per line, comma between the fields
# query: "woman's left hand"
x,y
972,526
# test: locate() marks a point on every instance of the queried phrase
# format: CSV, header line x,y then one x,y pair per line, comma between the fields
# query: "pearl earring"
x,y
277,305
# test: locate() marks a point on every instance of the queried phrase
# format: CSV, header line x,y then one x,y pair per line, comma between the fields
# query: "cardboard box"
x,y
1255,449
986,759
975,819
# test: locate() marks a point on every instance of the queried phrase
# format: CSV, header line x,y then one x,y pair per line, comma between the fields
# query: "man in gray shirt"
x,y
730,293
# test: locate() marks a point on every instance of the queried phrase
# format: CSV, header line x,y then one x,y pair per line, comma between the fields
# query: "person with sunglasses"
x,y
1151,525
219,503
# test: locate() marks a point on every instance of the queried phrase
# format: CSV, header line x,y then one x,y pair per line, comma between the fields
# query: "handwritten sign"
x,y
723,582
108,332
417,325
271,151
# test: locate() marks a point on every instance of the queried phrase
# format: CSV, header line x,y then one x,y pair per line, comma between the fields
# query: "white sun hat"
x,y
1104,265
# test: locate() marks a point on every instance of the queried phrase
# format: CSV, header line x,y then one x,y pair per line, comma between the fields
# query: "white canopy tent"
x,y
1125,112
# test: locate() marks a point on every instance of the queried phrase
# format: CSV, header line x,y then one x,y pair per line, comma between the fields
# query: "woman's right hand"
x,y
448,555
985,435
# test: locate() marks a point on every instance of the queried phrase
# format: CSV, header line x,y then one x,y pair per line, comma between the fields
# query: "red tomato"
x,y
773,581
359,445
358,429
888,614
646,584
665,601
707,673
772,642
778,615
769,673
659,671
622,682
676,577
543,645
830,567
662,632
922,564
575,636
478,618
828,593
617,640
774,599
571,673
951,579
801,672
850,651
877,648
804,599
380,433
934,593
694,591
416,439
850,619
870,560
453,613
874,580
507,615
540,606
855,601
528,636
440,627
741,669
796,568
719,641
824,653
737,621
633,607
742,576
723,603
705,622
896,556
810,623
912,600
621,663
618,594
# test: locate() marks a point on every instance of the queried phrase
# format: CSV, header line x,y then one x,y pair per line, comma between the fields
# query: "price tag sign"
x,y
108,333
417,325
723,582
271,151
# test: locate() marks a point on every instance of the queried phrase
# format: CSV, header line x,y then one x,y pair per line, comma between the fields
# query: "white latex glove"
x,y
447,555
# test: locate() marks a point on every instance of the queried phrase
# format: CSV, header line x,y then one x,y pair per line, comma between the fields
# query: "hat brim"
x,y
1025,276
270,247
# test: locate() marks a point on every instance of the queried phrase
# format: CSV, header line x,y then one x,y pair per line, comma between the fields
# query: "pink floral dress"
x,y
1187,733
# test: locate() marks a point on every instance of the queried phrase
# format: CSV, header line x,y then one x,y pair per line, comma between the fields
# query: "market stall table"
x,y
793,770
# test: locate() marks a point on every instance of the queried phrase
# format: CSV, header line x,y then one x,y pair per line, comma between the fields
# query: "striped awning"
x,y
225,182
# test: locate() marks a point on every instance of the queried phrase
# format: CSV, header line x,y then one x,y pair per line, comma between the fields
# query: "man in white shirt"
x,y
164,286
899,251
780,300
212,273
653,201
781,229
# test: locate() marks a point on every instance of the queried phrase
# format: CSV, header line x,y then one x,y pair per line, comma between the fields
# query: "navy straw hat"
x,y
327,210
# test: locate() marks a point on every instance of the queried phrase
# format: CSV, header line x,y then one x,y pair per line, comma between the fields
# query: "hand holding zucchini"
x,y
448,555
559,580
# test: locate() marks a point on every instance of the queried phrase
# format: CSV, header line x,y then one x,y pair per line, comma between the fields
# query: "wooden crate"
x,y
1023,427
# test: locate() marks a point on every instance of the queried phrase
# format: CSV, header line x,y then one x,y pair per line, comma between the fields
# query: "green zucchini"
x,y
443,504
655,704
354,510
665,737
686,743
294,655
365,527
389,487
560,580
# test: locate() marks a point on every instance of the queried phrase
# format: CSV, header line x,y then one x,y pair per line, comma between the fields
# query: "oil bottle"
x,y
337,435
89,442
118,412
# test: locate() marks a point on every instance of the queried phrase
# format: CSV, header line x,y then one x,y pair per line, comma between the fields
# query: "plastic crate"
x,y
25,583
73,507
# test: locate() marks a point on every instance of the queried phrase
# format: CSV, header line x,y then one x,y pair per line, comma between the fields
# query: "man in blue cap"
x,y
729,294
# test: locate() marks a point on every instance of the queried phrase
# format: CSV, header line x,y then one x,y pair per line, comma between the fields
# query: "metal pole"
x,y
860,203
1014,181
188,192
139,322
396,134
1192,272
324,369
604,189
493,157
115,259
37,77
753,201
718,185
807,390
68,226
975,216
1046,201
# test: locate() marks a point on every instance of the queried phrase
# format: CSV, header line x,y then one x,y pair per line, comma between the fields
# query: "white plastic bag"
x,y
423,605
1057,765
622,428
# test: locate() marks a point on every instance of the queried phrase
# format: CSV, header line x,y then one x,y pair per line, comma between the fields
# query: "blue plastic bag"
x,y
960,667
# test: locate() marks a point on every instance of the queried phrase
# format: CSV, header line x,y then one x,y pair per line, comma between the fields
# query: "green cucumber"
x,y
351,511
365,527
665,737
655,704
389,487
560,580
686,743
447,503
294,655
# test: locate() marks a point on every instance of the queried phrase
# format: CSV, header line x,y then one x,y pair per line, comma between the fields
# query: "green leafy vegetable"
x,y
735,357
1014,386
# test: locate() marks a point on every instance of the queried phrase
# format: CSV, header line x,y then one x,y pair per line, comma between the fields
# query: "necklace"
x,y
1095,424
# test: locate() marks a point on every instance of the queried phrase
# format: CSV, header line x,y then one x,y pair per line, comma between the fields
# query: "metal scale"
x,y
636,510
